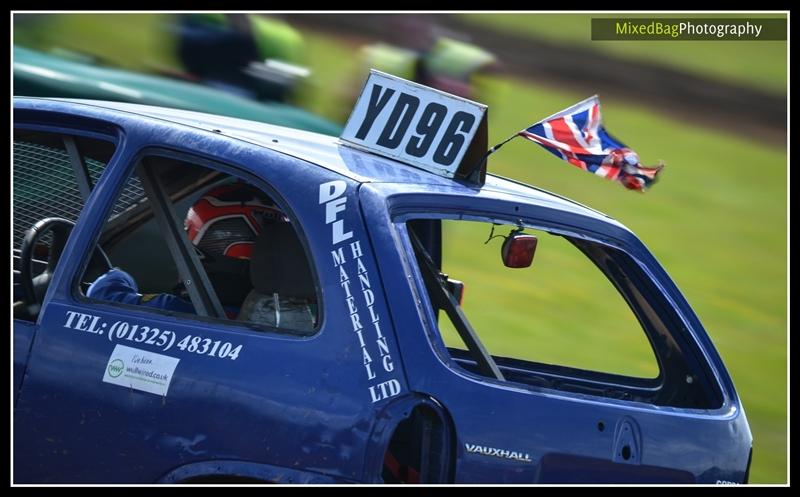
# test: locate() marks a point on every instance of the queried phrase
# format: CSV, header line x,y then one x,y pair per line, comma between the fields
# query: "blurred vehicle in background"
x,y
43,75
418,50
446,64
251,55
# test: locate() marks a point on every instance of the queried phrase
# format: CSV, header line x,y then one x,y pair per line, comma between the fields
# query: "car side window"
x,y
203,242
561,310
53,174
554,311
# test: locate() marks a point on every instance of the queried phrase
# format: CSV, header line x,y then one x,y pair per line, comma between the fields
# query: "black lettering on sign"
x,y
427,127
453,140
404,110
377,101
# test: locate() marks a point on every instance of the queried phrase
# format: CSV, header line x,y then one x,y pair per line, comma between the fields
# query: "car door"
x,y
117,392
54,172
530,421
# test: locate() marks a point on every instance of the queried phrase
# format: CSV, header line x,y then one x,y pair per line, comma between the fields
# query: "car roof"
x,y
328,152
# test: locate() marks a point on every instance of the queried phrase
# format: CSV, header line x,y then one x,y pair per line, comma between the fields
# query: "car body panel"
x,y
308,409
563,427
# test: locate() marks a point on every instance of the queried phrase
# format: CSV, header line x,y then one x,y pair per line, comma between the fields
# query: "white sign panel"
x,y
140,370
412,123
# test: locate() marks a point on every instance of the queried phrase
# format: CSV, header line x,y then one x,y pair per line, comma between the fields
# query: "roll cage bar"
x,y
190,269
443,299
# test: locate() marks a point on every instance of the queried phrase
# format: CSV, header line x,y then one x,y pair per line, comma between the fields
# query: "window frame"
x,y
96,130
233,170
649,391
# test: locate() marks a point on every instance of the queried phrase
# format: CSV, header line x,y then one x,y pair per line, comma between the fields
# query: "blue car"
x,y
207,299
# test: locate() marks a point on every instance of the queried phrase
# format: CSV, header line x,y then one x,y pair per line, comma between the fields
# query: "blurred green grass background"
x,y
717,220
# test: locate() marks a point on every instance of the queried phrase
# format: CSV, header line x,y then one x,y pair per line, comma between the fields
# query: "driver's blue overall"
x,y
118,286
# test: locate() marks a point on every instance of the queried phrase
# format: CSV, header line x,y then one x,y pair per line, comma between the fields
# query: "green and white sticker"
x,y
140,370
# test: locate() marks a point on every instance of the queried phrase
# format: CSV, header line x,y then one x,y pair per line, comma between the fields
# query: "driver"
x,y
222,225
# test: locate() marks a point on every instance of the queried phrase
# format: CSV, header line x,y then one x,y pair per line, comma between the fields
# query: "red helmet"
x,y
226,220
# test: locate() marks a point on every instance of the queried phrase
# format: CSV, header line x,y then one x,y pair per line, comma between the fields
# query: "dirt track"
x,y
712,102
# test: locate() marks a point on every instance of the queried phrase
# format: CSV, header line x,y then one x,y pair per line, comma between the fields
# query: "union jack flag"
x,y
577,135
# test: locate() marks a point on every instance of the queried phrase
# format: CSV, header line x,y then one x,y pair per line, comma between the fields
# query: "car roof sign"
x,y
420,126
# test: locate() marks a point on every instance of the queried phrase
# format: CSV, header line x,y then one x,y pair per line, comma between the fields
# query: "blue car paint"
x,y
299,408
23,339
556,420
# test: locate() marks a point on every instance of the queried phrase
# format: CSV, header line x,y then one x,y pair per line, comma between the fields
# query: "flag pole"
x,y
494,149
